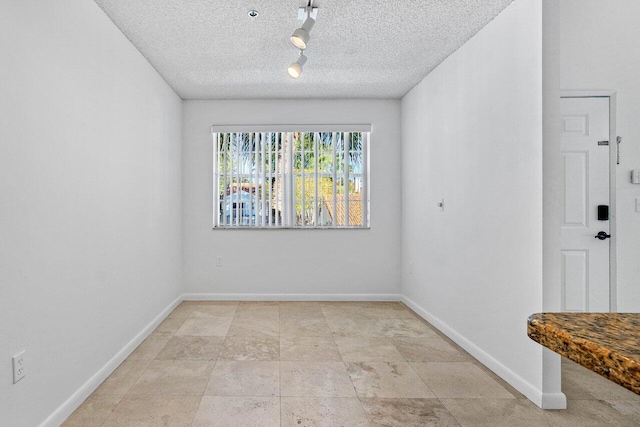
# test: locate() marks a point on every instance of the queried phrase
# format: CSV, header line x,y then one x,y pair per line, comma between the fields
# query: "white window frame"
x,y
287,220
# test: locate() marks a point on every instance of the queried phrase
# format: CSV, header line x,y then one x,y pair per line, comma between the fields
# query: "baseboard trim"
x,y
76,399
543,400
554,401
290,297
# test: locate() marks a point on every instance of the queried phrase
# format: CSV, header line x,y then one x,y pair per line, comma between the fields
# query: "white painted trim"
x,y
613,188
554,401
291,297
72,403
543,400
292,128
613,202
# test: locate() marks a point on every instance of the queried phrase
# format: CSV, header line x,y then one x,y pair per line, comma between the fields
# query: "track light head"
x,y
300,36
295,69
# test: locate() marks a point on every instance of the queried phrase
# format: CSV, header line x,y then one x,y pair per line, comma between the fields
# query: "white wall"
x,y
472,134
553,193
292,263
90,213
596,48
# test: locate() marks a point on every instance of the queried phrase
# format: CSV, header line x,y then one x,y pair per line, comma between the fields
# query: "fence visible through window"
x,y
288,179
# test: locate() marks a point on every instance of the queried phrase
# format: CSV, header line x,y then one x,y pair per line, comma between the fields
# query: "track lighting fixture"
x,y
301,36
295,69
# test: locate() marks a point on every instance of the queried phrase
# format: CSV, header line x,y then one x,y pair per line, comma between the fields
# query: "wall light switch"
x,y
219,261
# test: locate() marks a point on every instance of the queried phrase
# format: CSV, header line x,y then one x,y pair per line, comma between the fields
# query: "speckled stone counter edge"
x,y
611,365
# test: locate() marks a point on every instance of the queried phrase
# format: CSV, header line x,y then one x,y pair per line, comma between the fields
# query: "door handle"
x,y
602,235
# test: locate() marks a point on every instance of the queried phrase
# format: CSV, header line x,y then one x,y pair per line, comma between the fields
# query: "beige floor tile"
x,y
188,347
354,316
210,302
182,311
569,365
336,309
409,328
196,330
381,304
205,326
628,408
304,327
93,411
244,378
597,386
315,379
574,390
214,310
367,349
353,327
577,372
322,412
587,413
459,380
149,349
387,380
174,377
260,303
251,326
259,311
301,311
245,347
496,413
407,413
515,393
301,303
123,378
310,349
429,349
390,312
153,411
233,411
167,328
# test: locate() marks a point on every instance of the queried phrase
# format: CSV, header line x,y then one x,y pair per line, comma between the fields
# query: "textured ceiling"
x,y
211,49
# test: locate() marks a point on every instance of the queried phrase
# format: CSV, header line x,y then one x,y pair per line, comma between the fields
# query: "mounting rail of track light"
x,y
300,37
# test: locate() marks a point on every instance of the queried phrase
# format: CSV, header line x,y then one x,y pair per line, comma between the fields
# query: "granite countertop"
x,y
606,343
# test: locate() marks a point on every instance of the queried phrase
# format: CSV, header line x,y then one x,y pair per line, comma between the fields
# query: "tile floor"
x,y
325,364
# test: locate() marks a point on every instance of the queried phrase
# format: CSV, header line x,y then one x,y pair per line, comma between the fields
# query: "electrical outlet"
x,y
18,367
219,261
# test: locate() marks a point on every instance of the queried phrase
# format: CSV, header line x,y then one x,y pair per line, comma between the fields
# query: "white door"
x,y
585,258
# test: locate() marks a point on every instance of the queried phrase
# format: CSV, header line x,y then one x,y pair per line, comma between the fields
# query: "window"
x,y
291,178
